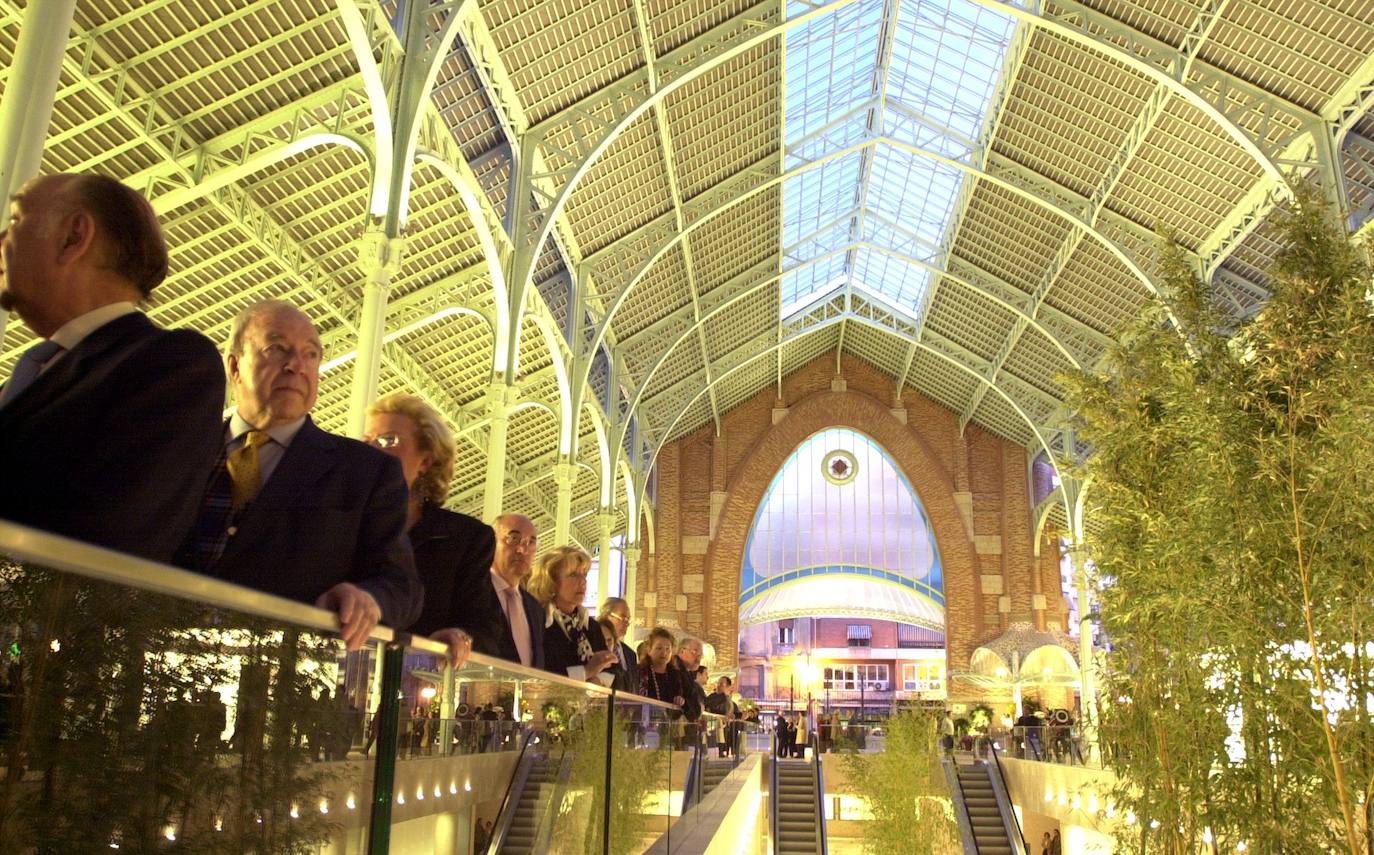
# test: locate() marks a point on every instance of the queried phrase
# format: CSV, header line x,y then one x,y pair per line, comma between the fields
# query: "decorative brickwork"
x,y
985,474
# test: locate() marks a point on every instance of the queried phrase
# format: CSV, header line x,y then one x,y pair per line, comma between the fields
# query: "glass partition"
x,y
137,719
146,708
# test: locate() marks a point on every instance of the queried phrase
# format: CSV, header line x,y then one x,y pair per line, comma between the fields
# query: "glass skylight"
x,y
882,203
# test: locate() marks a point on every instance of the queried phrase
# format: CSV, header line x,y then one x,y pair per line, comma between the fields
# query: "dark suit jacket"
x,y
628,680
113,443
333,511
560,651
453,553
534,616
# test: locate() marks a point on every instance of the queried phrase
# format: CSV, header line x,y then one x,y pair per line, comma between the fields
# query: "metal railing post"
x,y
388,727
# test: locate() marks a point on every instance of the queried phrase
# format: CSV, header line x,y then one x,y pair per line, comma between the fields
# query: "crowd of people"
x,y
113,432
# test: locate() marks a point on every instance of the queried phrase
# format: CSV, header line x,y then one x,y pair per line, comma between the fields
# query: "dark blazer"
x,y
534,616
333,511
453,554
113,444
628,680
560,650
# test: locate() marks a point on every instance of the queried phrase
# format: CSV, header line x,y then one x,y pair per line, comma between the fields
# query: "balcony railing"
x,y
146,708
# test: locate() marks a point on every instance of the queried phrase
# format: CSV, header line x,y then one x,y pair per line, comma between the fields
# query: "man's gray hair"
x,y
610,603
688,639
246,316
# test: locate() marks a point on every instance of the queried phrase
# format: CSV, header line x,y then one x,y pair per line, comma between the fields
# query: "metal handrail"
x,y
691,787
51,551
822,846
505,817
1011,809
773,799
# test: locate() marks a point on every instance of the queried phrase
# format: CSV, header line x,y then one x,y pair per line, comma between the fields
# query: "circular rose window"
x,y
839,467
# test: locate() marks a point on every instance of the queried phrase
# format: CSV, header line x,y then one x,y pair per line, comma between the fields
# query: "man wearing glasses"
x,y
292,510
617,612
522,617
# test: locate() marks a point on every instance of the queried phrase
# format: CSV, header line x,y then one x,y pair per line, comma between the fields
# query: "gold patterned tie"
x,y
244,470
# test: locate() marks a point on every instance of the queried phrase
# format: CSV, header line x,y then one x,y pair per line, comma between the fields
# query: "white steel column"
x,y
605,523
1078,554
631,586
498,411
565,476
380,256
29,94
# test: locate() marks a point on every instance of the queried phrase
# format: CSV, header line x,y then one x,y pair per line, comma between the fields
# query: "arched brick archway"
x,y
913,456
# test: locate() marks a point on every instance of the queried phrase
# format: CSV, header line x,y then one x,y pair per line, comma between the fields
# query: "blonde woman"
x,y
453,552
573,643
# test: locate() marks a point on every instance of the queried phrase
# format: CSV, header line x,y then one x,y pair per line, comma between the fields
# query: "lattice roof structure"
x,y
621,219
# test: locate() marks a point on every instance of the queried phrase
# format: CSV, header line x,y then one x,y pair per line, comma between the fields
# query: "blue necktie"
x,y
27,369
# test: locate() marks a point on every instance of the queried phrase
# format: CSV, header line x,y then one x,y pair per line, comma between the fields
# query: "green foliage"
x,y
905,790
1231,482
636,774
114,736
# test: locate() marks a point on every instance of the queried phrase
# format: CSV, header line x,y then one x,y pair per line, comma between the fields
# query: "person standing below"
x,y
573,644
453,551
520,633
617,612
721,702
107,425
946,733
292,510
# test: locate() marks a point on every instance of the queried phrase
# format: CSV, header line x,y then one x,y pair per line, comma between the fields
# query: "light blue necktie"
x,y
27,369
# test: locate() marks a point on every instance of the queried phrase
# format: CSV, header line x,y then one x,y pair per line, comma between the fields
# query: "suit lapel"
x,y
305,462
95,352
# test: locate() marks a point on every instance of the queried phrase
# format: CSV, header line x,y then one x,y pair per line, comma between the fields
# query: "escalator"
x,y
713,772
986,816
524,826
798,794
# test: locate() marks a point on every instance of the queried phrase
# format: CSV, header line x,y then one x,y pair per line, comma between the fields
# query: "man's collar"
x,y
70,334
500,582
281,434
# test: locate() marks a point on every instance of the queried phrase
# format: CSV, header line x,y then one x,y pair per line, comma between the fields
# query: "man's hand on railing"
x,y
358,612
459,644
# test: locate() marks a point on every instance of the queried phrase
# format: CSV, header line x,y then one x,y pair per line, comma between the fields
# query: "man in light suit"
x,y
521,626
106,423
292,510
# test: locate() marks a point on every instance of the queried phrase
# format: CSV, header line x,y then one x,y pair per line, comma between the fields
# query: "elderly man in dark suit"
x,y
292,510
520,630
106,424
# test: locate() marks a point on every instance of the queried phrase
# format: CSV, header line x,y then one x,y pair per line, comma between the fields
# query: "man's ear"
x,y
78,235
231,366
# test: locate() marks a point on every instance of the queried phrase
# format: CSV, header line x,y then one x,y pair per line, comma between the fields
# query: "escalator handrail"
x,y
822,847
773,798
691,788
956,796
521,773
1001,783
